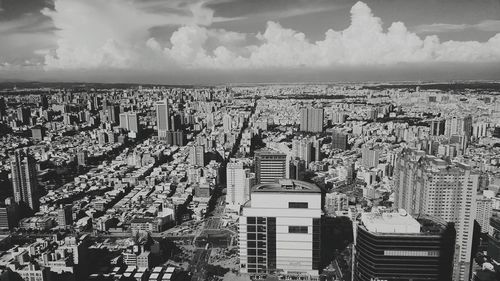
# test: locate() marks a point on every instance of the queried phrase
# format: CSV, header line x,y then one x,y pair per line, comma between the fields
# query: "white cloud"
x,y
115,34
486,25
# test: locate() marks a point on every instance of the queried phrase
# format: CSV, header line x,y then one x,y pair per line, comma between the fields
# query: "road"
x,y
198,265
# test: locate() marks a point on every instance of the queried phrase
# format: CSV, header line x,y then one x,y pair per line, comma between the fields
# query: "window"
x,y
299,205
297,229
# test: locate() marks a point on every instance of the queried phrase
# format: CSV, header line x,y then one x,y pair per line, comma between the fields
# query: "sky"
x,y
231,41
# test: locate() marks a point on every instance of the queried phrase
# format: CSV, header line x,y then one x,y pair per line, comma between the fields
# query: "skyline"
x,y
230,41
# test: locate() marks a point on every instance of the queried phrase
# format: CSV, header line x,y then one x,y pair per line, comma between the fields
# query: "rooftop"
x,y
393,222
287,185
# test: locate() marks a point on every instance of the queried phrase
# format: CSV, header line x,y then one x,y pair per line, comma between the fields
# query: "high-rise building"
x,y
494,239
82,157
428,185
280,229
239,182
162,118
296,169
129,121
175,138
111,113
437,127
24,181
338,117
395,246
311,119
197,155
44,101
339,141
65,215
270,166
227,122
9,214
370,157
459,126
24,115
484,211
302,149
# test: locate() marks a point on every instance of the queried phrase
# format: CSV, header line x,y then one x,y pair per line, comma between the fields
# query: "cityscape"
x,y
157,161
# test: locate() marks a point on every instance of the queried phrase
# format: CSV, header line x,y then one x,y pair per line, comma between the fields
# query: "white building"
x,y
280,229
484,209
239,182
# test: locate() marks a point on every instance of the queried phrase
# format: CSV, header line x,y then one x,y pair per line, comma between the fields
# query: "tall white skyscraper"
x,y
428,185
162,118
227,122
197,155
239,182
24,181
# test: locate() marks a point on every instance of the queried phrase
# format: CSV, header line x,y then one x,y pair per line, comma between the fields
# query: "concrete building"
x,y
395,246
197,155
239,182
129,121
339,141
65,215
370,157
311,119
162,118
270,166
428,185
24,181
279,229
494,239
484,211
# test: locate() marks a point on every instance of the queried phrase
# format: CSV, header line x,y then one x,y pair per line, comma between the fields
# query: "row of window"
x,y
298,205
297,229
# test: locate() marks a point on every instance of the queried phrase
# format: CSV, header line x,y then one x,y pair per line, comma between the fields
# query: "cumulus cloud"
x,y
115,34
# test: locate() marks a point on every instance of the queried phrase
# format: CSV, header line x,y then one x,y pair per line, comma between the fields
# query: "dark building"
x,y
111,114
296,169
9,214
339,141
44,102
175,138
65,215
437,127
494,239
270,166
24,115
395,246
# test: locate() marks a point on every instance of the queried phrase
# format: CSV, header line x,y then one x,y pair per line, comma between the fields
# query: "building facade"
x,y
24,181
270,166
395,246
279,229
428,185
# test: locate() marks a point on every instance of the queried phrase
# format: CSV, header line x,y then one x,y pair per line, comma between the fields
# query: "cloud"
x,y
112,34
486,25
